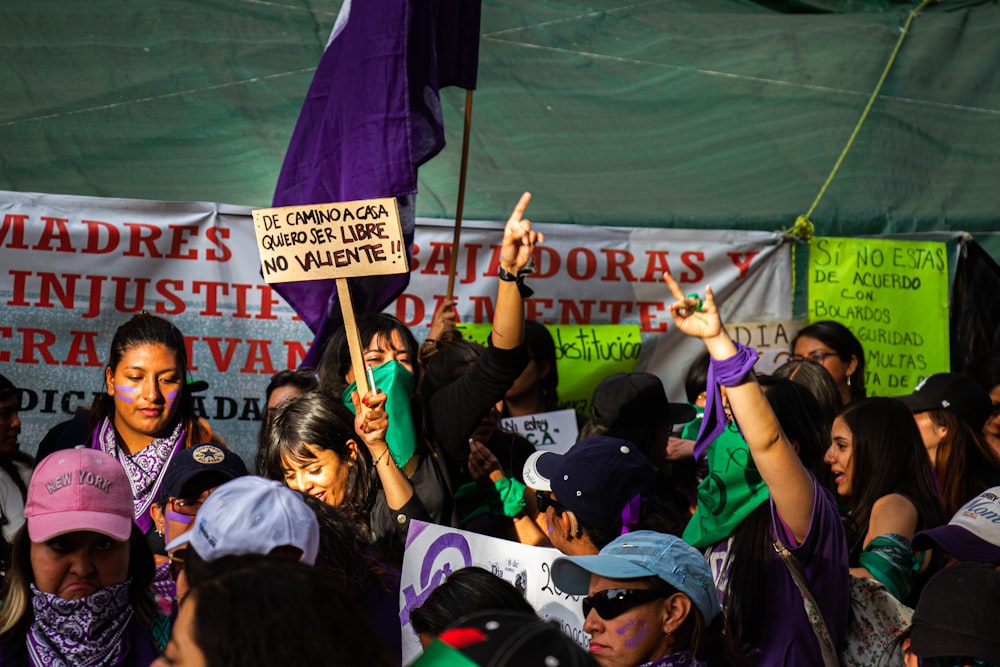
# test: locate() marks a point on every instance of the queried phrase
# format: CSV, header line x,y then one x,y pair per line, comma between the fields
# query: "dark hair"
x,y
344,554
315,419
259,610
840,339
707,642
452,356
820,384
543,350
7,389
963,460
799,415
888,457
696,378
17,614
147,329
987,371
467,590
336,359
303,379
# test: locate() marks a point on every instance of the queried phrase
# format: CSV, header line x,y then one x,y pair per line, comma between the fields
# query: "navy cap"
x,y
211,460
595,479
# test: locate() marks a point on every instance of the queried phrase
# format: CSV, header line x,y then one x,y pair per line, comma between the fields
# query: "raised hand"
x,y
518,238
692,315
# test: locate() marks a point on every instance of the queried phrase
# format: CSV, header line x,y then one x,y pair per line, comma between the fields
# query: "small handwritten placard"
x,y
554,431
342,240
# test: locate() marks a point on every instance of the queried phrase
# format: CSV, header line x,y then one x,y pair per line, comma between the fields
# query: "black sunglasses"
x,y
545,500
614,602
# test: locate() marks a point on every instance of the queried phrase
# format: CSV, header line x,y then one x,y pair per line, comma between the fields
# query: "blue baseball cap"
x,y
639,554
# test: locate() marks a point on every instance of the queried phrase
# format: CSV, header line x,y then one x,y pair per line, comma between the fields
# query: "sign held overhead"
x,y
339,240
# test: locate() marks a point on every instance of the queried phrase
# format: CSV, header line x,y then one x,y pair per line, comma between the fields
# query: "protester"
x,y
15,469
634,407
950,410
957,620
762,603
972,534
190,478
881,470
650,601
311,446
489,492
466,591
501,638
537,388
987,373
833,346
76,590
820,384
249,515
285,385
146,413
437,428
255,610
601,488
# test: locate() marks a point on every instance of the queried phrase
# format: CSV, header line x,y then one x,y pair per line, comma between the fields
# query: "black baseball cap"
x,y
627,400
958,614
954,392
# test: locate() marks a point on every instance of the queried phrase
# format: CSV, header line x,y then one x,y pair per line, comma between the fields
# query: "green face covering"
x,y
392,379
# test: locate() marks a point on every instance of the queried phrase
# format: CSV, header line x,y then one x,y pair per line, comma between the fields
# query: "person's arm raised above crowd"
x,y
789,482
518,244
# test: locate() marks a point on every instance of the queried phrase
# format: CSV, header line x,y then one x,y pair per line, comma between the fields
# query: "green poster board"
x,y
585,355
893,295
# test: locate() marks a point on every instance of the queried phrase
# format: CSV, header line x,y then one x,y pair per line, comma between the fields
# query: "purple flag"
x,y
370,118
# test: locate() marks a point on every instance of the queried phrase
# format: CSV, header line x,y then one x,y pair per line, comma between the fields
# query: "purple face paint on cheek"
x,y
122,393
171,395
640,629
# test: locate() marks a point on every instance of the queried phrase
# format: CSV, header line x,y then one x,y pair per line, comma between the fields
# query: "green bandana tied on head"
x,y
393,380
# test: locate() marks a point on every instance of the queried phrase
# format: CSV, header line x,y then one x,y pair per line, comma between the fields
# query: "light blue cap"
x,y
643,553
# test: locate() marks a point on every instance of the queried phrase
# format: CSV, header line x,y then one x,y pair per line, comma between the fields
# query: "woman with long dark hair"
x,y
833,346
146,412
881,471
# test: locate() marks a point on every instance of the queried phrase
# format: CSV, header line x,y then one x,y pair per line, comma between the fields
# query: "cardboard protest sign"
x,y
434,552
342,240
893,295
554,431
585,355
772,340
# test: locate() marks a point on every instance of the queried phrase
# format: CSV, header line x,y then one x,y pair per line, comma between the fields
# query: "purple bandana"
x,y
724,372
630,514
144,468
89,632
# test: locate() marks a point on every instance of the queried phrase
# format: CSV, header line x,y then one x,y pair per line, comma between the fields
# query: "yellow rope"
x,y
803,227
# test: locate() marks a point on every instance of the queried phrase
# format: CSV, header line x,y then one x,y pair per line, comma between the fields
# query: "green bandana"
x,y
396,383
732,489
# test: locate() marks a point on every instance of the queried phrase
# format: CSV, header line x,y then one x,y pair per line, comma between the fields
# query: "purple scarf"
x,y
676,660
89,632
144,468
724,372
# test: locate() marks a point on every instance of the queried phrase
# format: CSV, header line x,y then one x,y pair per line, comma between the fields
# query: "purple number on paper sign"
x,y
430,576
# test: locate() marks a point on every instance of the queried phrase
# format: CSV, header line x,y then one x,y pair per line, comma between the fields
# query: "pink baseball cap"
x,y
79,489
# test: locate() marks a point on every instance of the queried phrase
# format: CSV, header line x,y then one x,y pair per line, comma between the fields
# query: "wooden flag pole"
x,y
460,205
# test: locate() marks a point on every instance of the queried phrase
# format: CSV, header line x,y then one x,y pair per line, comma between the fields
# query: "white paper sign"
x,y
554,431
434,552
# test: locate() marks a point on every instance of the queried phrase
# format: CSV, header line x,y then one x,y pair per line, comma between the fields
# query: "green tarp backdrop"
x,y
722,114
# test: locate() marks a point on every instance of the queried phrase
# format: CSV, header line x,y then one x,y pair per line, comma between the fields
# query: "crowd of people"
x,y
746,525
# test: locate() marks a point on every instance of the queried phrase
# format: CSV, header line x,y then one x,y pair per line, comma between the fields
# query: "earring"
x,y
848,380
159,532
